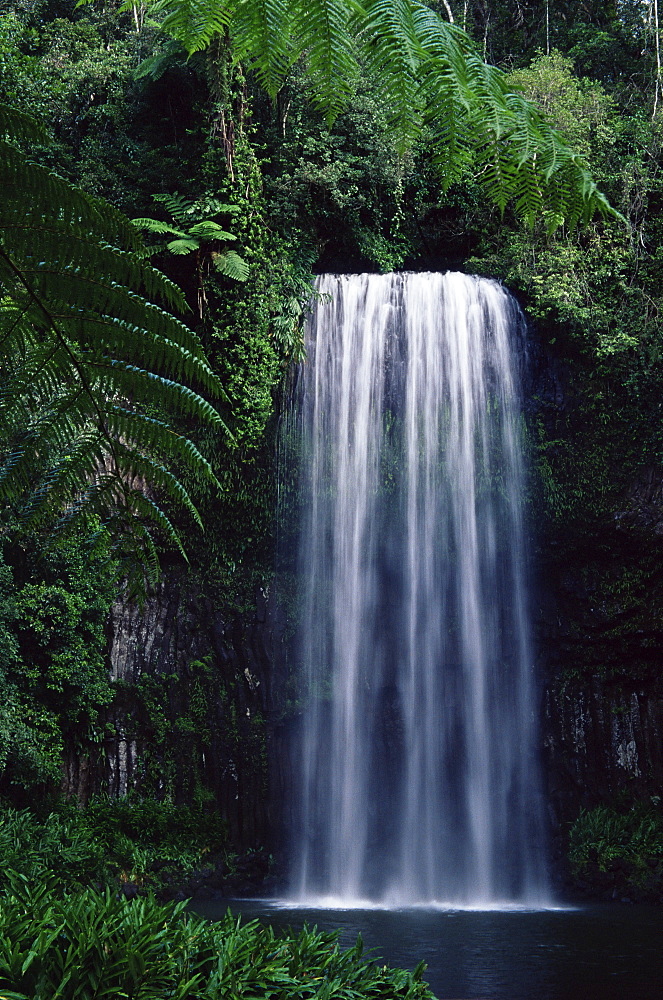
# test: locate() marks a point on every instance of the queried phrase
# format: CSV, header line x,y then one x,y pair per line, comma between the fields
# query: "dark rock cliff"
x,y
191,716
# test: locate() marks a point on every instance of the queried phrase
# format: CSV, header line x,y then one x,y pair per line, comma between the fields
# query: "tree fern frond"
x,y
16,125
231,265
146,431
156,226
262,37
139,537
429,73
44,194
176,205
209,230
139,465
331,56
116,338
151,512
195,22
389,45
84,349
183,246
145,386
74,289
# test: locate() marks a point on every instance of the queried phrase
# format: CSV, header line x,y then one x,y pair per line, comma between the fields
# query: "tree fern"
x,y
262,36
90,352
331,53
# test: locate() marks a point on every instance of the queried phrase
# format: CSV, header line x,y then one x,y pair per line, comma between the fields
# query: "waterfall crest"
x,y
418,775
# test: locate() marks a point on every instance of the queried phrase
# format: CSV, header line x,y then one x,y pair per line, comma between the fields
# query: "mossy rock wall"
x,y
190,718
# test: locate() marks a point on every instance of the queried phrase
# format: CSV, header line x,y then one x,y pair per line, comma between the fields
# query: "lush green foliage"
x,y
140,841
627,839
354,179
53,673
203,237
430,76
86,356
94,945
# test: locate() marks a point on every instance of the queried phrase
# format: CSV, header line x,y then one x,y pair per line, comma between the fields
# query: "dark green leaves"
x,y
99,945
431,77
88,358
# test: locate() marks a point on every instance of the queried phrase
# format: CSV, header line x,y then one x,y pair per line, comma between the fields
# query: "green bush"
x,y
91,945
606,837
150,843
59,847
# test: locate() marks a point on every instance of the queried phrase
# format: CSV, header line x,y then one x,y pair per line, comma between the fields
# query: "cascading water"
x,y
418,780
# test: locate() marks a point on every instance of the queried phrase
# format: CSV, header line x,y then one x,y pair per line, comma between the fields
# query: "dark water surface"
x,y
595,952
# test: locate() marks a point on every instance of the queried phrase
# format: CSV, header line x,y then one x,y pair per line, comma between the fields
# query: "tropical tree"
x,y
92,365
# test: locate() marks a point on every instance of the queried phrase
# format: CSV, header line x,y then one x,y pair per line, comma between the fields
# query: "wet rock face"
x,y
601,741
192,706
597,522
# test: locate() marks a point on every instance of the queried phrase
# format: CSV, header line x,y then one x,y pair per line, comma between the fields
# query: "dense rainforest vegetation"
x,y
252,149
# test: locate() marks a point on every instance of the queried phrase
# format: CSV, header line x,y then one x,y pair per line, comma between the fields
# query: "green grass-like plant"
x,y
92,945
152,844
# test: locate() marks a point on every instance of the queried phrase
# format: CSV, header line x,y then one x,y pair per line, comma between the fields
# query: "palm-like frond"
x,y
261,33
389,45
88,357
203,236
231,265
325,32
183,246
209,230
195,22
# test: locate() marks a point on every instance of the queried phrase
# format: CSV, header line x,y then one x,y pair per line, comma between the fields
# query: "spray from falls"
x,y
418,777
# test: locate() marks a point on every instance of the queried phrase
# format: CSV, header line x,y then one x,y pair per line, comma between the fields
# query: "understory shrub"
x,y
146,842
606,837
91,945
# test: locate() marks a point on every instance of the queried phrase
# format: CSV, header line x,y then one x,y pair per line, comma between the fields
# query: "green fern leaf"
x,y
86,349
231,265
209,230
186,245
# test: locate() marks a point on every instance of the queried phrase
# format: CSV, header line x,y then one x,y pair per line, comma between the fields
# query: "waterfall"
x,y
418,776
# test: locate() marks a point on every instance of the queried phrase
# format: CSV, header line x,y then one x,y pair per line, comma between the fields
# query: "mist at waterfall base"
x,y
418,780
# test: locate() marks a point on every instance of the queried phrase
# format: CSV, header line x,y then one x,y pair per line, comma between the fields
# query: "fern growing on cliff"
x,y
196,232
91,364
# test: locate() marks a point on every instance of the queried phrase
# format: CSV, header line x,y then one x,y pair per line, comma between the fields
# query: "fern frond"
x,y
86,346
209,230
16,125
176,205
183,246
156,226
231,265
147,387
262,37
149,433
391,50
71,290
429,74
331,53
140,466
195,22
